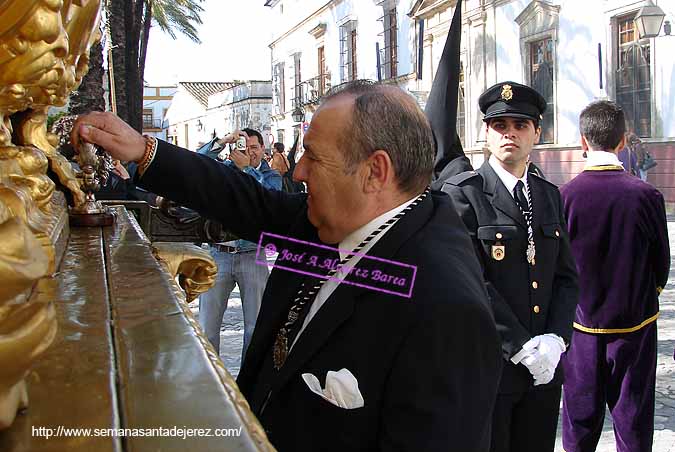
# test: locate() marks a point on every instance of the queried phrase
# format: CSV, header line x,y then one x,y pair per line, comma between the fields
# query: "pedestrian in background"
x,y
279,161
629,159
619,237
236,259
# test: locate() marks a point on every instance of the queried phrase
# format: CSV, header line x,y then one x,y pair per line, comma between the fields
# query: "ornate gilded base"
x,y
12,400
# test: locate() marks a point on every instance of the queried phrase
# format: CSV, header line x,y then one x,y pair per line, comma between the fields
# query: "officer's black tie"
x,y
520,197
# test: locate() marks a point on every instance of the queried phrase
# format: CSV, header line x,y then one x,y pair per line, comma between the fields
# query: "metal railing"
x,y
152,124
311,91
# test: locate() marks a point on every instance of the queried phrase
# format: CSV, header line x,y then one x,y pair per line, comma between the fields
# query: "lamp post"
x,y
298,114
648,20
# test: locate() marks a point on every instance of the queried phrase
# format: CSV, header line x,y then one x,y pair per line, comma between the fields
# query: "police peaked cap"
x,y
510,99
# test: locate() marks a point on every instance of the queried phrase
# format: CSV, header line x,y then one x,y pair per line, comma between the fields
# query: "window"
x,y
280,136
388,54
461,112
279,89
633,79
541,79
187,141
147,118
321,59
298,98
539,23
348,70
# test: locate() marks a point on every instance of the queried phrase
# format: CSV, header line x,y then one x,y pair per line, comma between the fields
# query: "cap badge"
x,y
507,93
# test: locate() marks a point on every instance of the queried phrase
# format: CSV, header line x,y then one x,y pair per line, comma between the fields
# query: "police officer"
x,y
516,221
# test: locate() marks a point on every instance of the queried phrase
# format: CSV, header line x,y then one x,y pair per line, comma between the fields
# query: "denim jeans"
x,y
239,268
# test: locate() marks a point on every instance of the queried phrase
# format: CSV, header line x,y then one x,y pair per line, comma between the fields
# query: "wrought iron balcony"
x,y
152,123
311,91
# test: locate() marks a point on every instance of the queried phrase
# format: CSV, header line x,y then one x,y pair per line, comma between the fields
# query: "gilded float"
x,y
44,53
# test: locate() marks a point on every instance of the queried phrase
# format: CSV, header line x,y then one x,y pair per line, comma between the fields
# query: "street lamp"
x,y
648,20
298,114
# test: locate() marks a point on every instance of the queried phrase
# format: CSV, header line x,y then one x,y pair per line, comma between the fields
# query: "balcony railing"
x,y
152,124
311,91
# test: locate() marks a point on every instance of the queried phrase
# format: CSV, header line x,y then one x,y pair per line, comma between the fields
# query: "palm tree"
x,y
129,23
90,95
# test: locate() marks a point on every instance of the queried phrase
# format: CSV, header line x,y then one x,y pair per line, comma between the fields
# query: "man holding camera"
x,y
236,259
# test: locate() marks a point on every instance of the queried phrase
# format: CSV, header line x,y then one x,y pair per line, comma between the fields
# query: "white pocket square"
x,y
342,388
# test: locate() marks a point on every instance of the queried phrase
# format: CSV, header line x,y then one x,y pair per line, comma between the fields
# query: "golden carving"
x,y
44,46
26,329
194,266
44,53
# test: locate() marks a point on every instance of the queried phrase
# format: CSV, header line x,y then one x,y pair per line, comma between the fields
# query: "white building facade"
x,y
156,101
247,104
572,51
202,110
319,44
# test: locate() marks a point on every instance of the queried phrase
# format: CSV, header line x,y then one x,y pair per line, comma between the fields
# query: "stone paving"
x,y
232,330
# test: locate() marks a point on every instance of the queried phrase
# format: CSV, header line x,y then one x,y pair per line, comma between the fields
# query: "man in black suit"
x,y
515,218
417,373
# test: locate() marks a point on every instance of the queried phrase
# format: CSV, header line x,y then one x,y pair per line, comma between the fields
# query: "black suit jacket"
x,y
528,300
427,366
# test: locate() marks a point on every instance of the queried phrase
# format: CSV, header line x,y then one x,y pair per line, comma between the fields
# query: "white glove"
x,y
541,356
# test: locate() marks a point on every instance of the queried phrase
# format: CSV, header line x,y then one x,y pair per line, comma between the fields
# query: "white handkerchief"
x,y
342,388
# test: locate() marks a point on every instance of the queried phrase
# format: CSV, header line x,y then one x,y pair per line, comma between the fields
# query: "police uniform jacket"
x,y
528,300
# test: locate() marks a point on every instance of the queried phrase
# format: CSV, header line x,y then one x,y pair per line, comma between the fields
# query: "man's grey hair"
x,y
387,118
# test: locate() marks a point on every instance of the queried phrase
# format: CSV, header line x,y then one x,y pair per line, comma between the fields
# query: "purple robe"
x,y
619,239
618,232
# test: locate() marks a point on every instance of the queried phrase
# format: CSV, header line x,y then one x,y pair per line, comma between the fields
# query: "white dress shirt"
x,y
346,246
508,179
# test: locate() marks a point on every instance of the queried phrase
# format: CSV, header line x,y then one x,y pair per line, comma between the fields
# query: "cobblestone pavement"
x,y
232,331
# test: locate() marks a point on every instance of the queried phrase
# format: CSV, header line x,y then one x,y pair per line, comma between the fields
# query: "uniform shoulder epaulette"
x,y
543,179
462,178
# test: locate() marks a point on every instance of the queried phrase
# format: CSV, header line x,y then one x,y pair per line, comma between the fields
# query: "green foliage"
x,y
178,15
52,118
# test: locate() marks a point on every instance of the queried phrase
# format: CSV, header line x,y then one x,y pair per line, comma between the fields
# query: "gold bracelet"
x,y
149,154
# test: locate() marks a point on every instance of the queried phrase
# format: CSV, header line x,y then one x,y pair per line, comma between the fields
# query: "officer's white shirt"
x,y
508,179
349,243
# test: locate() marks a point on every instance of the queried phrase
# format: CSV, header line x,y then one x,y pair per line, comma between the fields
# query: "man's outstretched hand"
x,y
108,131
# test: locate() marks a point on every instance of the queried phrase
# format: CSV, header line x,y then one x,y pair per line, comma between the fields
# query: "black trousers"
x,y
526,421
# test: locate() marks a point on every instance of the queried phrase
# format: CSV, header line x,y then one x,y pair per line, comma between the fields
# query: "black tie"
x,y
520,197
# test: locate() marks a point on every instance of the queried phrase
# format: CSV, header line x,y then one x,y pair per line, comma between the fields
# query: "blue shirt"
x,y
268,178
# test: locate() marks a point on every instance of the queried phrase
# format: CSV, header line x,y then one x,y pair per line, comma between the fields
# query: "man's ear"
x,y
584,143
380,171
537,134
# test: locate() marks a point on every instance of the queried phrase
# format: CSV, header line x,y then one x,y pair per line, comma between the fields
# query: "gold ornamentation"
x,y
507,93
280,350
44,47
26,329
195,268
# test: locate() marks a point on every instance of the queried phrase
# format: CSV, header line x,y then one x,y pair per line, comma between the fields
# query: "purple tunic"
x,y
619,237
